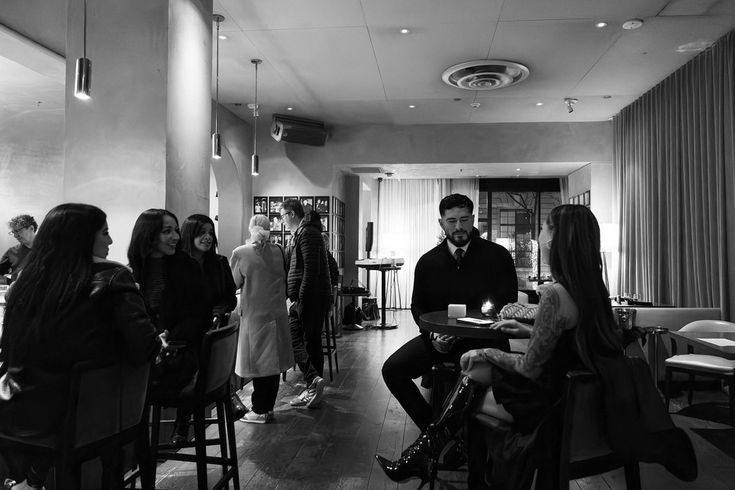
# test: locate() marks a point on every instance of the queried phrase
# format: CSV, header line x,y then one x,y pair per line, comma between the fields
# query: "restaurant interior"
x,y
371,111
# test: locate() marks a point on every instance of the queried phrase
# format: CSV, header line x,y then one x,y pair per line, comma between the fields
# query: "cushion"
x,y
712,364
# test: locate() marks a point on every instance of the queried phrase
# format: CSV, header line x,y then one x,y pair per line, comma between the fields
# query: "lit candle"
x,y
487,309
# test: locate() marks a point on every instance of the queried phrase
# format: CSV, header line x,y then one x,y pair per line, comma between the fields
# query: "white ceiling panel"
x,y
557,53
411,66
609,10
640,59
486,170
438,111
292,14
414,14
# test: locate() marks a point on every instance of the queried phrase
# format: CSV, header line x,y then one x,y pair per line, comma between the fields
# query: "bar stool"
x,y
212,386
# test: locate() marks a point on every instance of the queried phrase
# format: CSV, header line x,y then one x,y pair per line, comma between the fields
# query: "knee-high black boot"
x,y
419,459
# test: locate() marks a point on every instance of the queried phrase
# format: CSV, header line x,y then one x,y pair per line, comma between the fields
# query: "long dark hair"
x,y
576,264
146,233
57,275
192,228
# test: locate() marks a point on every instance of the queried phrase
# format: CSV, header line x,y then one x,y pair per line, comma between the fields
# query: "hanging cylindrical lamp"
x,y
216,141
83,69
254,163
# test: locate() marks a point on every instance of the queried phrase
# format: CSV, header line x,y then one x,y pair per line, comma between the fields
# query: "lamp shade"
x,y
82,78
254,165
216,146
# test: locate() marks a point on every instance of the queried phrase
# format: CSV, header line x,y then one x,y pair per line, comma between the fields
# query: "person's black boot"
x,y
420,458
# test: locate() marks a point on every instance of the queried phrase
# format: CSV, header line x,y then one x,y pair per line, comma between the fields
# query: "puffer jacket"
x,y
110,324
308,271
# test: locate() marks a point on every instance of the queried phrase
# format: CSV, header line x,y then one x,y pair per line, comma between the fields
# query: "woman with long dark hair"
x,y
200,242
68,305
574,327
171,284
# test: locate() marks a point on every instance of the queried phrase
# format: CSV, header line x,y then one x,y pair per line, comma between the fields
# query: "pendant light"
x,y
83,69
254,164
216,141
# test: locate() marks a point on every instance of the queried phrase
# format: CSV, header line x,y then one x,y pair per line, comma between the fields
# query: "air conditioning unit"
x,y
298,130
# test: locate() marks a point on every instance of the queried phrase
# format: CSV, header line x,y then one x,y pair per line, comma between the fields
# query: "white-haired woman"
x,y
264,351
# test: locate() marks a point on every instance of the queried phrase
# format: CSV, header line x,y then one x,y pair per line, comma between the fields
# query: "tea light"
x,y
487,309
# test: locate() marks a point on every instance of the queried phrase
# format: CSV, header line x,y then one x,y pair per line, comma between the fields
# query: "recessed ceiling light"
x,y
222,36
405,31
518,170
694,47
607,96
539,104
601,24
289,108
475,105
632,24
411,106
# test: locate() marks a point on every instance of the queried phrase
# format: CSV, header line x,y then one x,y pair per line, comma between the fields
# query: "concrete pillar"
x,y
142,140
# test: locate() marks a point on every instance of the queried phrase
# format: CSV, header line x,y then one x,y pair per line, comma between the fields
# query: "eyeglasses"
x,y
16,233
286,213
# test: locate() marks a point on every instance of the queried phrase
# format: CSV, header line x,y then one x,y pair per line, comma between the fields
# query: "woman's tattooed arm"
x,y
548,327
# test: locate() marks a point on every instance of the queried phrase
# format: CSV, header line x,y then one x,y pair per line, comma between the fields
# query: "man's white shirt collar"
x,y
453,247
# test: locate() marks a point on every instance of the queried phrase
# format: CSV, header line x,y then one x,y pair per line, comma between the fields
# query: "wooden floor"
x,y
333,447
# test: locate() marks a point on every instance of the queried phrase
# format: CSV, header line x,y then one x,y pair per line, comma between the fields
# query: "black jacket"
x,y
308,270
219,286
110,324
487,272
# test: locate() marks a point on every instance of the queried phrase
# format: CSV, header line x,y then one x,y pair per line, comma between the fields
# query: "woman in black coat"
x,y
171,283
69,305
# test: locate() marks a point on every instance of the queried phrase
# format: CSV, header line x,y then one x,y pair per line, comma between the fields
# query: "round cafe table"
x,y
438,322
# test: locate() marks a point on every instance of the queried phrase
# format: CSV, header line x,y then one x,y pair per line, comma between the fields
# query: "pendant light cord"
x,y
84,46
255,114
216,96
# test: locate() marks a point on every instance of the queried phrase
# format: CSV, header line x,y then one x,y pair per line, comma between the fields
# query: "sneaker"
x,y
318,388
303,398
257,418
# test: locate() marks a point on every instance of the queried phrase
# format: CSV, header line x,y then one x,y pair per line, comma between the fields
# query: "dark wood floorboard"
x,y
333,447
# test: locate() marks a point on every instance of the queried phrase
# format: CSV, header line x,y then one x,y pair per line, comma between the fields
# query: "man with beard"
x,y
462,269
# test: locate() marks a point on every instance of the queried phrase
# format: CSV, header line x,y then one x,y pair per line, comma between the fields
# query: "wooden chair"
x,y
104,412
583,449
329,347
701,365
212,387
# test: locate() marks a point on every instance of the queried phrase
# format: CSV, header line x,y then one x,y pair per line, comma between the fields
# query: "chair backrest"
x,y
708,326
522,298
217,359
583,433
104,400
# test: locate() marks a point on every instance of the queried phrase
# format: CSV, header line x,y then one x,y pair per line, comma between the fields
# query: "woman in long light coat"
x,y
264,351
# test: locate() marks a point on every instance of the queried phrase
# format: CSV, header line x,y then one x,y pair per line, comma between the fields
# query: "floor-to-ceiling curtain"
x,y
674,165
408,224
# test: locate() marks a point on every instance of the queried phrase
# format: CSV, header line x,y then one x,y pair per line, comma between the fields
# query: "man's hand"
x,y
443,343
514,328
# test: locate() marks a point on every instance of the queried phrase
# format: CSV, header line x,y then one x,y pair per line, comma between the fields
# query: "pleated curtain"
x,y
674,166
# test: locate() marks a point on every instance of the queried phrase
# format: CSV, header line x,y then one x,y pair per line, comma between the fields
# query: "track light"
x,y
569,101
216,140
83,69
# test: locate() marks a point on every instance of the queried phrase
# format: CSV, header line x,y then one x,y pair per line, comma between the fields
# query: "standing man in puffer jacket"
x,y
309,292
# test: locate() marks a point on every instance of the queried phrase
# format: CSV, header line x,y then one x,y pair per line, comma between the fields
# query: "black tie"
x,y
458,256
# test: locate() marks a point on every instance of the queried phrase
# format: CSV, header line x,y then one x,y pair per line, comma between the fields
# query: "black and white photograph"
x,y
321,204
260,205
307,202
276,222
274,204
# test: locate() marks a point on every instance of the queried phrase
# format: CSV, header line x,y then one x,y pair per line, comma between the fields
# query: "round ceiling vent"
x,y
484,74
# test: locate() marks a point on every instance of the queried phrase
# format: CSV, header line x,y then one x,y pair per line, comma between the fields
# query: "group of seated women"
x,y
71,304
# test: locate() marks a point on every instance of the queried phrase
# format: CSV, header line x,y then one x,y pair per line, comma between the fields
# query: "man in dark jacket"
x,y
462,269
310,291
23,228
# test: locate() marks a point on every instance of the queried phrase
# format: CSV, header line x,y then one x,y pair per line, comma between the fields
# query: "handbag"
x,y
175,368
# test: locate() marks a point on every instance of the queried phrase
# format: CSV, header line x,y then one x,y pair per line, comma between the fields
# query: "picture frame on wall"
x,y
335,206
276,223
586,198
321,204
325,222
307,202
286,198
260,205
274,204
277,238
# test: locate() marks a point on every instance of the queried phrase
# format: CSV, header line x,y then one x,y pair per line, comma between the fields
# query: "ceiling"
x,y
345,61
